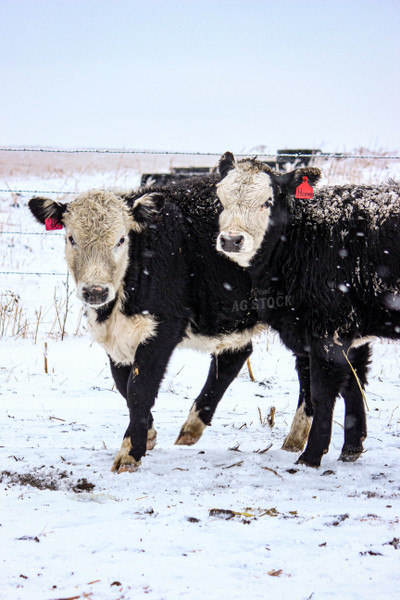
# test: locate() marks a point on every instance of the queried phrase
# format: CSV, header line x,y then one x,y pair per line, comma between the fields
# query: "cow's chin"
x,y
244,254
243,259
96,303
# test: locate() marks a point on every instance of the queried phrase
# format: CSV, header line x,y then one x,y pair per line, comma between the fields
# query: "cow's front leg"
x,y
223,370
298,434
144,380
121,375
326,379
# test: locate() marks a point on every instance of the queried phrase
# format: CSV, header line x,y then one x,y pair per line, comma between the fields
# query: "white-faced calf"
x,y
327,275
146,268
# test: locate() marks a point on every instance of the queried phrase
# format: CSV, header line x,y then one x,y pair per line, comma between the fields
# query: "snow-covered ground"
x,y
230,518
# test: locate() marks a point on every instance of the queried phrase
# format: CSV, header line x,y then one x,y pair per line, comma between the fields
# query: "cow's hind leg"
x,y
355,426
223,370
326,380
151,433
298,434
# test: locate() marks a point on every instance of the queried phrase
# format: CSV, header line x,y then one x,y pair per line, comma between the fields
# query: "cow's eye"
x,y
71,240
267,203
121,241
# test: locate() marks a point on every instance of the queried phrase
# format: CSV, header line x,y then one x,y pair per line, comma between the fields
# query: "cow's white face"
x,y
247,196
97,227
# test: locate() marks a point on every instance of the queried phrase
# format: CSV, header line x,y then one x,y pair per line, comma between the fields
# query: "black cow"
x,y
147,270
327,274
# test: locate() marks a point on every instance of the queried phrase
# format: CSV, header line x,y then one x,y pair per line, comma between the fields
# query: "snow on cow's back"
x,y
373,204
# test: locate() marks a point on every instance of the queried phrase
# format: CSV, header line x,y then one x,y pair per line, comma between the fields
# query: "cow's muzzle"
x,y
230,243
95,295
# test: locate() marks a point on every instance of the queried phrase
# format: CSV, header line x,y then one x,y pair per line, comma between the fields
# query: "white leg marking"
x,y
191,430
151,439
123,460
298,434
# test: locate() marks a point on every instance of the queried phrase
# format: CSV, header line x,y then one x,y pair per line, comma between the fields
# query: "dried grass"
x,y
339,171
15,321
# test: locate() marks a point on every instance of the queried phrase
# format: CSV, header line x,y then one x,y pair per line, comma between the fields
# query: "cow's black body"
x,y
174,279
337,259
176,275
175,269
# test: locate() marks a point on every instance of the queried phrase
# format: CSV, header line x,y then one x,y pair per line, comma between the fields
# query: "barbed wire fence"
x,y
290,156
19,320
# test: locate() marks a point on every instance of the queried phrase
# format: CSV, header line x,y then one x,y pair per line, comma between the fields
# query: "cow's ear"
x,y
145,209
48,212
226,163
290,181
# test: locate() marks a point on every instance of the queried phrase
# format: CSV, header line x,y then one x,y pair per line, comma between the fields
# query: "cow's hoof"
x,y
131,468
125,465
124,462
151,439
305,459
290,446
187,439
191,430
347,456
297,437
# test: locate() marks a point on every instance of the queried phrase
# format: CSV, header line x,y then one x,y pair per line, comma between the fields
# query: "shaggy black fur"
x,y
176,275
337,259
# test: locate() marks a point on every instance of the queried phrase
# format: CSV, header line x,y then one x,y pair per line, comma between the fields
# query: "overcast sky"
x,y
200,75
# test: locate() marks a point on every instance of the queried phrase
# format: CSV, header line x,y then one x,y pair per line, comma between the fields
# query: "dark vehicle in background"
x,y
295,158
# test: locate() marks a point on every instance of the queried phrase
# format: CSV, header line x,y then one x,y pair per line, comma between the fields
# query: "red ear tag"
x,y
304,190
51,224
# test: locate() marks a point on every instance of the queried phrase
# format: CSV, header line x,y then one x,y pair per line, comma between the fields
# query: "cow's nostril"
x,y
104,295
222,241
238,241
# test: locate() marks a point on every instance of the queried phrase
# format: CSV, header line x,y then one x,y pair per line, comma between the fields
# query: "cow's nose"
x,y
231,243
95,294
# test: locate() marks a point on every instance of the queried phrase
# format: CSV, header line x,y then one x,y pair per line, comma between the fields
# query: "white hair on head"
x,y
247,194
